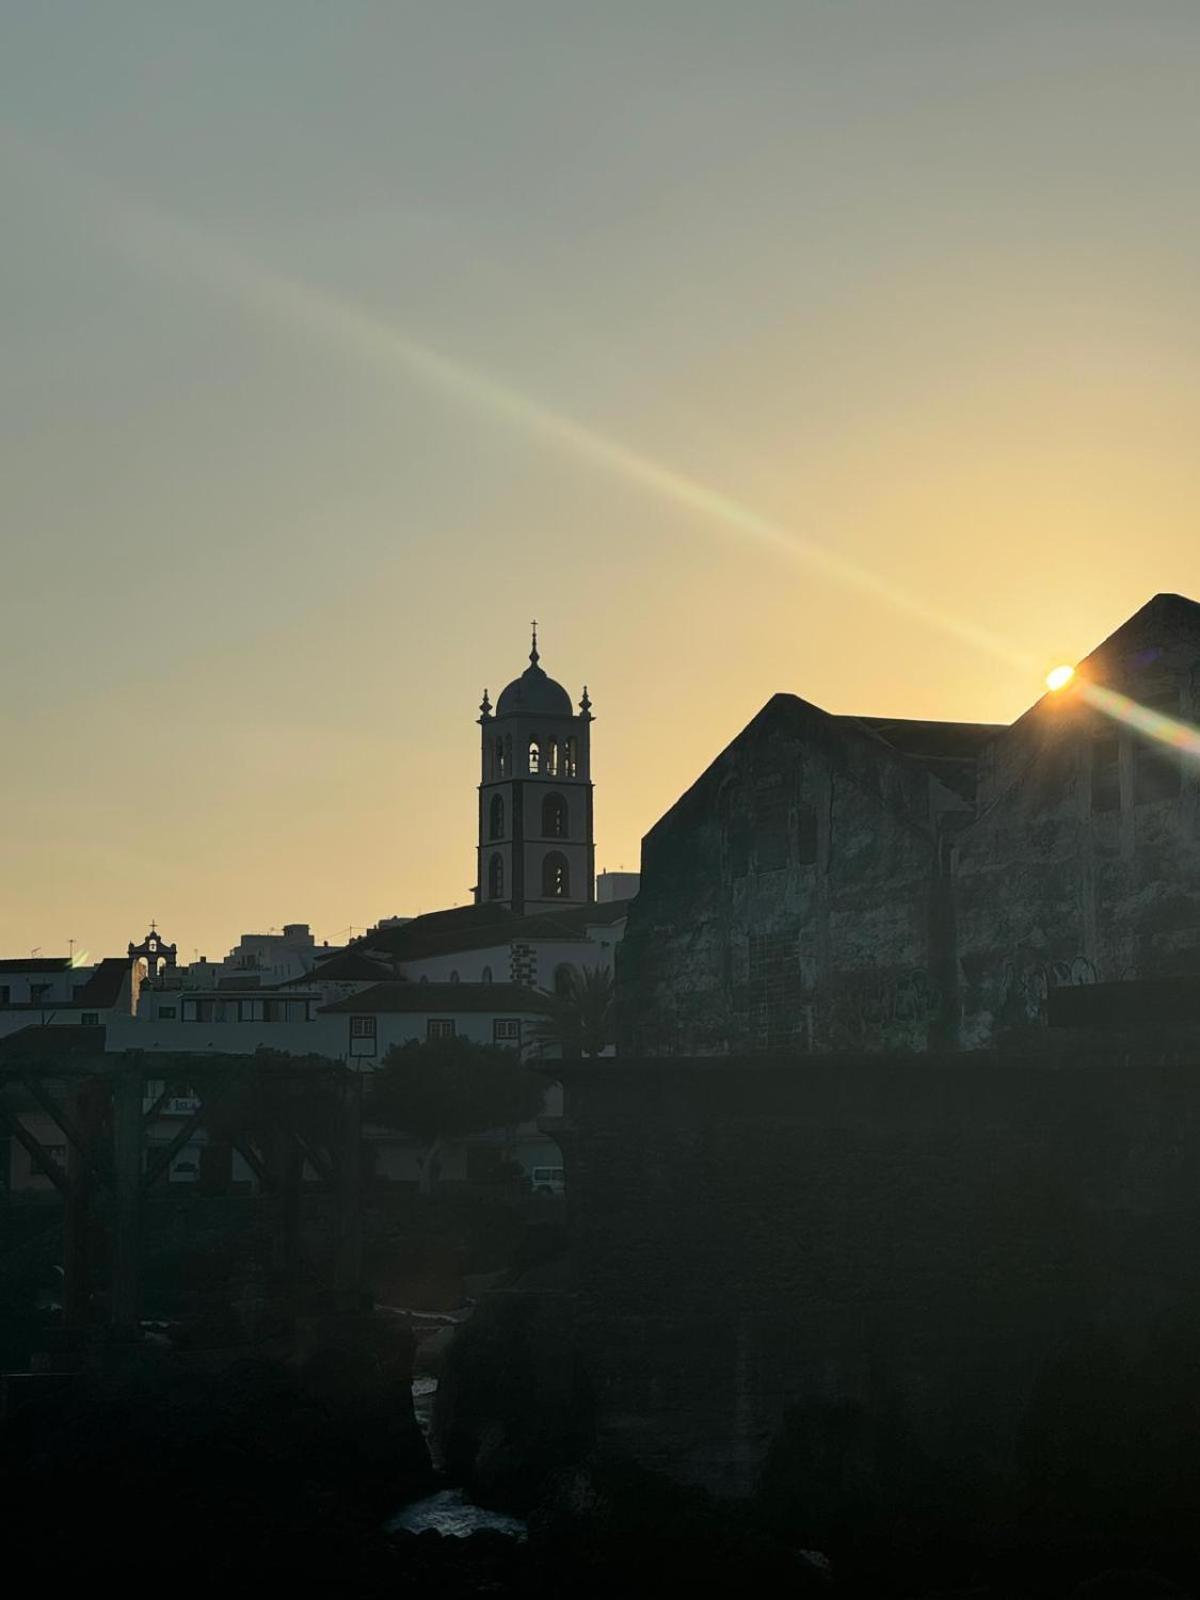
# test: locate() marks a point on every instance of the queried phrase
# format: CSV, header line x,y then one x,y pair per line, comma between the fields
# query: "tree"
x,y
450,1089
580,1020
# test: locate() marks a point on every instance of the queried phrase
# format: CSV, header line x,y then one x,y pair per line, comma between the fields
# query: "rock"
x,y
513,1405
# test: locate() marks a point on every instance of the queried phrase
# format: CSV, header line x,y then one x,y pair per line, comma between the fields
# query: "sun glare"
x,y
1059,677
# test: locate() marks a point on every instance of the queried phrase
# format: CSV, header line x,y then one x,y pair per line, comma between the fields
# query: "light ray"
x,y
161,241
1180,736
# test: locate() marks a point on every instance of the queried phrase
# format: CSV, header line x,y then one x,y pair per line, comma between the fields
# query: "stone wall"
x,y
924,1246
792,899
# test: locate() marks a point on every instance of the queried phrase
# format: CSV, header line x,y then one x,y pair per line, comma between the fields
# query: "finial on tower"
x,y
485,708
534,658
585,705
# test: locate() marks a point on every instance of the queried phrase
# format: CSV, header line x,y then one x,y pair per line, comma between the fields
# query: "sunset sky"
x,y
850,349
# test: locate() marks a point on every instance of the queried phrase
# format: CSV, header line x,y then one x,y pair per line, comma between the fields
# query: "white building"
x,y
53,991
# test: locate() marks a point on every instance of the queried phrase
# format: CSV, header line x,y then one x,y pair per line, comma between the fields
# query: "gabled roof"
x,y
480,927
443,998
348,966
99,992
103,987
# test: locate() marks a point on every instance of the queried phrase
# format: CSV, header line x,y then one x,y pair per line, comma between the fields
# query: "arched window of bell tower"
x,y
554,817
556,877
571,758
496,818
500,765
535,756
551,762
496,877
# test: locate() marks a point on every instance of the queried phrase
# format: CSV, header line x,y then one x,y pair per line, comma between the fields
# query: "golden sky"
x,y
846,350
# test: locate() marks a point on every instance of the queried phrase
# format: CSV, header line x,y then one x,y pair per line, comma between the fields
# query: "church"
x,y
536,846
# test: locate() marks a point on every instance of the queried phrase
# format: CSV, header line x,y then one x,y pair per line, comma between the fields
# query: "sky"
x,y
846,349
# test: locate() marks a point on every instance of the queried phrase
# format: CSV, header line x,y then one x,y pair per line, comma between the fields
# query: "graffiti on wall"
x,y
888,1011
1028,978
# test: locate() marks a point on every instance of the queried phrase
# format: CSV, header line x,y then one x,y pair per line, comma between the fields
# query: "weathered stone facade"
x,y
837,883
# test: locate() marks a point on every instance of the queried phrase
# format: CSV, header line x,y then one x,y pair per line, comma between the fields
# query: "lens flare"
x,y
1180,736
1059,677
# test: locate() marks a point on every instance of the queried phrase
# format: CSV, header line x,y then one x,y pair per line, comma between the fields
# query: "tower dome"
x,y
536,851
534,691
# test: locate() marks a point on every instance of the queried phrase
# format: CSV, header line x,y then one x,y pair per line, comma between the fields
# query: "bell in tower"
x,y
536,849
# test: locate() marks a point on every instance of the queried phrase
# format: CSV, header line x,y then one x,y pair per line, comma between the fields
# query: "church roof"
x,y
420,998
534,691
487,926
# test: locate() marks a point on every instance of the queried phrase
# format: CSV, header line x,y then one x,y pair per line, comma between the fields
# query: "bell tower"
x,y
536,851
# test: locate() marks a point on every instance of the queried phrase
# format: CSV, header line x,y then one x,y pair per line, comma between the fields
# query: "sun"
x,y
1059,677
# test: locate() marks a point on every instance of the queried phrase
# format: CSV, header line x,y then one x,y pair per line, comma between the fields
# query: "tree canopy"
x,y
447,1089
580,1021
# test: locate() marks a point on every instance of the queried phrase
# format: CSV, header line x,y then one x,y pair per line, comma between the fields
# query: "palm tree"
x,y
580,1019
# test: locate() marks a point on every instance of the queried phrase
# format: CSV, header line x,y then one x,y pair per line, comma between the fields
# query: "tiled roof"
x,y
348,966
483,926
443,998
103,987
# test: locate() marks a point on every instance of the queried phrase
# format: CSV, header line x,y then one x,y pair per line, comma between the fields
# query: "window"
x,y
535,756
362,1036
552,758
563,976
1156,769
1106,774
89,1019
501,763
56,1153
506,1030
806,836
771,825
39,992
571,758
439,1028
486,975
1156,775
454,977
496,818
5,995
554,817
735,831
496,877
166,1013
556,877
